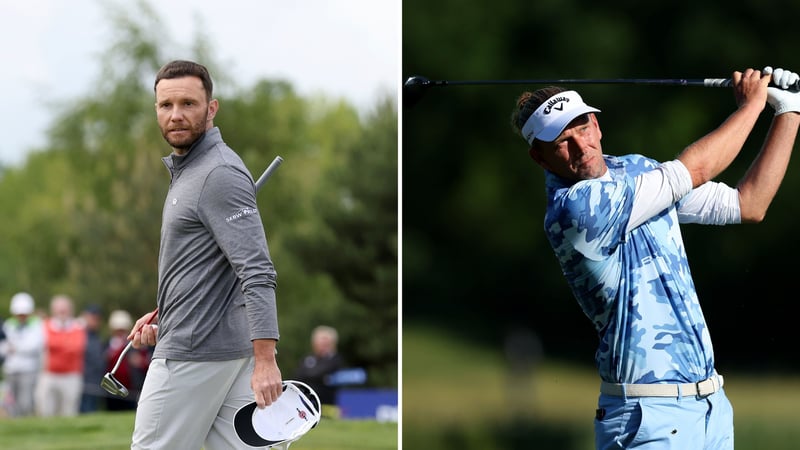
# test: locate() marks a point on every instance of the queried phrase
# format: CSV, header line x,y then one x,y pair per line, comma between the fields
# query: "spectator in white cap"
x,y
23,349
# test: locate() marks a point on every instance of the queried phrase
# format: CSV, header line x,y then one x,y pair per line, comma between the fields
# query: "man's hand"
x,y
781,99
266,381
750,87
143,333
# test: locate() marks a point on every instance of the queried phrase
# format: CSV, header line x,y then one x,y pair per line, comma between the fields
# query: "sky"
x,y
50,54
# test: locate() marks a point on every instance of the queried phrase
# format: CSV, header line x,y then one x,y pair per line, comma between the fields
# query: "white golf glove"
x,y
782,98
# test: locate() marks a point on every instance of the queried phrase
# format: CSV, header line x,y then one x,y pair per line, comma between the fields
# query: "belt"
x,y
700,389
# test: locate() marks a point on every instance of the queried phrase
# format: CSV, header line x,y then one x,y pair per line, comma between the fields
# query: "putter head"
x,y
113,386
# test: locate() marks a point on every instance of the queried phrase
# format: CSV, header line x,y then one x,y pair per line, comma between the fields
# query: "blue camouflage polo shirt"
x,y
635,286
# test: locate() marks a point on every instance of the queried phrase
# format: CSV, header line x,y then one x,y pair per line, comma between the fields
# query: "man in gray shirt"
x,y
217,318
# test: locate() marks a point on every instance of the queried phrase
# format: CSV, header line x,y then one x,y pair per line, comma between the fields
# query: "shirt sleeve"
x,y
657,190
229,209
711,203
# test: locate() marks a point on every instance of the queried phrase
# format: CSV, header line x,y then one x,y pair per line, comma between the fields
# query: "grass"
x,y
112,431
455,396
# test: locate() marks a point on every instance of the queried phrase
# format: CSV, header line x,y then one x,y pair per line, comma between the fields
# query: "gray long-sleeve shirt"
x,y
216,280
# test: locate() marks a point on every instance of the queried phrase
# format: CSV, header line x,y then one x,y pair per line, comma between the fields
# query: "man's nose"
x,y
576,144
177,114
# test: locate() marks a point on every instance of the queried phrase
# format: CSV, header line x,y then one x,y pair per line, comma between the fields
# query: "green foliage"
x,y
354,241
85,210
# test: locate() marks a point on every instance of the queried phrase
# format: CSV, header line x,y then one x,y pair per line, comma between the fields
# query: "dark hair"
x,y
180,69
528,102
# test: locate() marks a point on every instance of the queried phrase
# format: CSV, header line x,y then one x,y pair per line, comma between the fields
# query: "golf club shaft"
x,y
706,82
121,355
268,172
703,82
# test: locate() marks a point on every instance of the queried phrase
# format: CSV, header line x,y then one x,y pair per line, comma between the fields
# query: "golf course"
x,y
112,431
457,396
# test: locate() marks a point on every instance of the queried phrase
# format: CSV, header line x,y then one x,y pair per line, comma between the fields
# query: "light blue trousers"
x,y
656,423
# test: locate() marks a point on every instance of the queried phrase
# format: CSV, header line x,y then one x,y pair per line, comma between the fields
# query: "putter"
x,y
109,381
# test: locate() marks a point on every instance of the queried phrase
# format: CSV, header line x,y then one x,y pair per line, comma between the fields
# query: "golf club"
x,y
109,382
268,172
416,86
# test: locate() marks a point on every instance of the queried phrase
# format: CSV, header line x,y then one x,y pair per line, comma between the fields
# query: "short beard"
x,y
183,145
186,144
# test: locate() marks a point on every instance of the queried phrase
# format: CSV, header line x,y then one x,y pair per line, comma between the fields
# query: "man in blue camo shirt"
x,y
613,222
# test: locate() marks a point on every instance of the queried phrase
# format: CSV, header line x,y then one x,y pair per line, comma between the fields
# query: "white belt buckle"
x,y
699,388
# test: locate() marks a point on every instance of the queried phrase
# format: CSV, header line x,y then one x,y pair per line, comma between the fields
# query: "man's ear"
x,y
213,107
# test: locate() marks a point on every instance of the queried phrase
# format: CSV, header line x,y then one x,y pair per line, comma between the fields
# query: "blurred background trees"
x,y
83,213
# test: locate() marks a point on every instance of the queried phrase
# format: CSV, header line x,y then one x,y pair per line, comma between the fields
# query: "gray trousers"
x,y
59,394
190,405
22,387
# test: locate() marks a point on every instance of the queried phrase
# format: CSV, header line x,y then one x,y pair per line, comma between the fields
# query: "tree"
x,y
355,241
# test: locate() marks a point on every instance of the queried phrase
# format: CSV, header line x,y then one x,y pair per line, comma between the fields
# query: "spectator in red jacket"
x,y
58,392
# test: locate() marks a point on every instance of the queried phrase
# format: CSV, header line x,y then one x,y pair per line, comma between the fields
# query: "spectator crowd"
x,y
53,359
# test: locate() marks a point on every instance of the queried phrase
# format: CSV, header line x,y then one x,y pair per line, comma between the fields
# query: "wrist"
x,y
265,349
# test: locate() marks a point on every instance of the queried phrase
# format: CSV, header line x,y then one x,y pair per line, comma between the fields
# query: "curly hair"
x,y
528,102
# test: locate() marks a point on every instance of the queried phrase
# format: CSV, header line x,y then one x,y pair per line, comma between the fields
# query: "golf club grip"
x,y
727,82
717,82
268,172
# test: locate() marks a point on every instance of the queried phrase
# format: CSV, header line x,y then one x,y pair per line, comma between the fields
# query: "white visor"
x,y
295,412
552,116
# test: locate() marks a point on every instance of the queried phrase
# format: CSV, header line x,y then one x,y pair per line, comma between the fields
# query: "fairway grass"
x,y
112,431
457,396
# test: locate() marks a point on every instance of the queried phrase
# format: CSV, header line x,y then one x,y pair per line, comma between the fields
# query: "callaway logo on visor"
x,y
554,103
564,106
